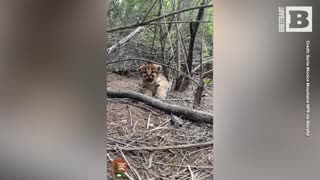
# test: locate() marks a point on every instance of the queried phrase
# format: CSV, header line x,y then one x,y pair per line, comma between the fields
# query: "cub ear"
x,y
140,67
159,68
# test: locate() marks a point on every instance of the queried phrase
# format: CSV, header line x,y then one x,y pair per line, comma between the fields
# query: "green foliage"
x,y
207,81
205,50
124,12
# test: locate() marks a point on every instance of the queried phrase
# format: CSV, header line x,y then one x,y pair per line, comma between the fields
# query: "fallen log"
x,y
187,113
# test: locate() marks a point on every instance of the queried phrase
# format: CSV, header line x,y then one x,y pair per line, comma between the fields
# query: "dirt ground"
x,y
132,124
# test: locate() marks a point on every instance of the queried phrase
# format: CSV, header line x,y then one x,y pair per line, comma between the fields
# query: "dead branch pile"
x,y
154,146
133,48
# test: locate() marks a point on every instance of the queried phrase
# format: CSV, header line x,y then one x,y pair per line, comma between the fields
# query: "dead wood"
x,y
124,40
187,113
186,166
175,120
164,147
156,19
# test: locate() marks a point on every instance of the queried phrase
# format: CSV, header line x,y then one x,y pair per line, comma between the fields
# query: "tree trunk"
x,y
194,26
199,89
178,43
198,94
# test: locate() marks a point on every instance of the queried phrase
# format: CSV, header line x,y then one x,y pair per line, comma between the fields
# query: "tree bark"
x,y
178,43
187,113
193,32
199,90
198,94
184,83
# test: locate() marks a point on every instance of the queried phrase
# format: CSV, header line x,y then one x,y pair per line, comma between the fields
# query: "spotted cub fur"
x,y
154,83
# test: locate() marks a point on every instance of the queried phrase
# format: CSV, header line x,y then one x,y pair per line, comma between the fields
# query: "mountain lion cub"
x,y
154,83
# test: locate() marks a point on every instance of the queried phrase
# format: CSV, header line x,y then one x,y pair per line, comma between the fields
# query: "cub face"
x,y
149,72
154,83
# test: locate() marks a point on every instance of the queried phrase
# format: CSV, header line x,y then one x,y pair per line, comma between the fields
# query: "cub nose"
x,y
149,77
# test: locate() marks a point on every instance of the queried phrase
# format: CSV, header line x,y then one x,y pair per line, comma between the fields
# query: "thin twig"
x,y
189,99
142,107
184,156
119,142
207,73
144,18
192,176
176,22
130,116
131,167
205,61
135,126
185,166
150,159
148,123
160,126
166,147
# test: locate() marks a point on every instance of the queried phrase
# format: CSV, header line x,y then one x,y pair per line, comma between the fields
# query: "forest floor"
x,y
132,124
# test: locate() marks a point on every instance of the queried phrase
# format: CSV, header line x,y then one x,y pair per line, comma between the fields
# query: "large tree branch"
x,y
207,60
156,19
177,22
191,114
124,40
